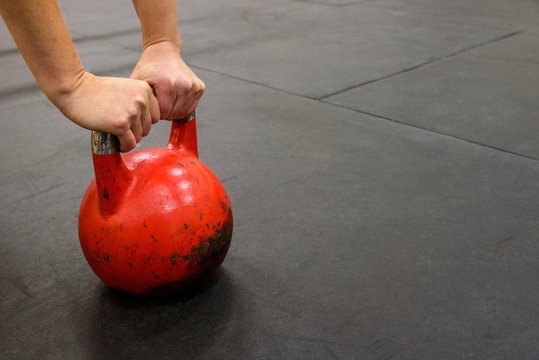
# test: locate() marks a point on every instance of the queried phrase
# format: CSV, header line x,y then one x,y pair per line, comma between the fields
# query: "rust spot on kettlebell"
x,y
173,259
219,240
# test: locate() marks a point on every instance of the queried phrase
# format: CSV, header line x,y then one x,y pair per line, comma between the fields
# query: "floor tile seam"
x,y
321,100
234,77
423,64
431,131
29,87
394,121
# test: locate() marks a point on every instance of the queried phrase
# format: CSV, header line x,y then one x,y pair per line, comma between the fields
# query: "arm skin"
x,y
123,107
178,89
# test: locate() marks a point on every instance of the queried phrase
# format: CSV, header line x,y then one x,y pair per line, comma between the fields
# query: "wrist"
x,y
62,90
173,44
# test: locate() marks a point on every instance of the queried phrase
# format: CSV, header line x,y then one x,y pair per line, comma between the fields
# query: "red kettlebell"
x,y
154,221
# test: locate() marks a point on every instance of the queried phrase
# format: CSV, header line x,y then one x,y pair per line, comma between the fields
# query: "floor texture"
x,y
382,161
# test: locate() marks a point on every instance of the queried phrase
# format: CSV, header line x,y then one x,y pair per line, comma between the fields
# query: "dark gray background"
x,y
382,161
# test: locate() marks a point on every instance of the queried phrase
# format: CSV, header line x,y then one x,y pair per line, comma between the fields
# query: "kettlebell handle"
x,y
106,144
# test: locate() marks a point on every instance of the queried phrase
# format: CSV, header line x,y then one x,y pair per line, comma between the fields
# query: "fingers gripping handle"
x,y
183,120
106,144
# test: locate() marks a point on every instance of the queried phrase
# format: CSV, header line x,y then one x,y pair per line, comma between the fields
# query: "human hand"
x,y
122,107
177,88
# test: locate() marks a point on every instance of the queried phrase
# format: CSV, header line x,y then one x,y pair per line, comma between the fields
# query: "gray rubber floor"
x,y
382,161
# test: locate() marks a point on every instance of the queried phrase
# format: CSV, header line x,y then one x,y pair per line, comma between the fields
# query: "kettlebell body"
x,y
155,221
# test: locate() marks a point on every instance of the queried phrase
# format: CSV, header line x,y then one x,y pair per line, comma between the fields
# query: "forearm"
x,y
177,88
44,42
158,21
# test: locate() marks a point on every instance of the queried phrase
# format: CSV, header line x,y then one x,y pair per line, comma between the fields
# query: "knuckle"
x,y
141,101
132,112
186,85
173,82
121,124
